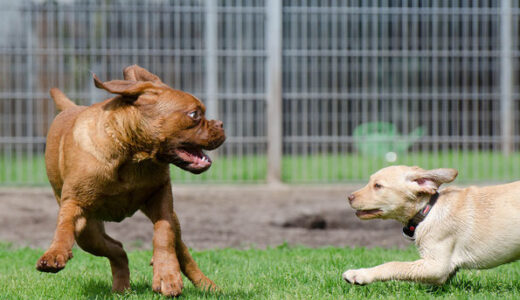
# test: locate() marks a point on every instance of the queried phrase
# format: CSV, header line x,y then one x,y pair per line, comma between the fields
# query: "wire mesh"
x,y
365,84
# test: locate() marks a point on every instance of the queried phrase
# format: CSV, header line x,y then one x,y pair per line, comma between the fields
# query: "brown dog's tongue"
x,y
195,157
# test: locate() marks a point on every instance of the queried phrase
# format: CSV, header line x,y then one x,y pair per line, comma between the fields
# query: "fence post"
x,y
32,68
211,59
506,78
273,36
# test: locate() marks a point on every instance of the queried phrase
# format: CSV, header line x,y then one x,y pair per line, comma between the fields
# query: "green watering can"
x,y
381,139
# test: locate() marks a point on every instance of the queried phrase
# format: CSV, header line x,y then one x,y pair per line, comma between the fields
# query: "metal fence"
x,y
309,91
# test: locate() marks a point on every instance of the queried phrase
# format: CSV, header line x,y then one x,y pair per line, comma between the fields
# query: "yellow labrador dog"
x,y
474,227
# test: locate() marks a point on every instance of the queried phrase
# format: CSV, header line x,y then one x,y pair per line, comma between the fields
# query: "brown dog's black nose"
x,y
351,198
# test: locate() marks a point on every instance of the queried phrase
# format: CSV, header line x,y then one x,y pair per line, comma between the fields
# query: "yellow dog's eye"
x,y
377,186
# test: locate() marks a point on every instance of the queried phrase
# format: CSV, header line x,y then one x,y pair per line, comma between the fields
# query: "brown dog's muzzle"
x,y
216,134
188,154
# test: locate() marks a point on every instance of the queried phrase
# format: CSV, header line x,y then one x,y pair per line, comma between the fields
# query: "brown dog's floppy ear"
x,y
129,88
137,73
429,181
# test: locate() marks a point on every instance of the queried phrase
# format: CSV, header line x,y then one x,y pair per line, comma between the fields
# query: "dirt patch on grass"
x,y
218,216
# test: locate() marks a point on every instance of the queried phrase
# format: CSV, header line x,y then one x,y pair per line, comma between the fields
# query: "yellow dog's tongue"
x,y
367,213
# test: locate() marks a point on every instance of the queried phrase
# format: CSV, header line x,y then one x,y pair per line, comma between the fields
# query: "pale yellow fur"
x,y
474,227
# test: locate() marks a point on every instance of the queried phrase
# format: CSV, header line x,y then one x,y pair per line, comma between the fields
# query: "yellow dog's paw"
x,y
359,276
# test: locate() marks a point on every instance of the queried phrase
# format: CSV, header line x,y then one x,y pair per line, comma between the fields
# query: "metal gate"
x,y
309,91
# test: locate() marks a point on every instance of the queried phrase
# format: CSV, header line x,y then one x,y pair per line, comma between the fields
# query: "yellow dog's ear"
x,y
137,73
429,181
128,88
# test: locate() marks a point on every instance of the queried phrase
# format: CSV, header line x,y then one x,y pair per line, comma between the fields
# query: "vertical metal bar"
x,y
312,115
487,74
239,82
446,88
335,119
435,63
514,65
211,59
464,85
292,87
92,45
211,71
355,73
476,101
18,108
412,101
366,79
274,90
248,88
228,84
506,76
305,86
30,70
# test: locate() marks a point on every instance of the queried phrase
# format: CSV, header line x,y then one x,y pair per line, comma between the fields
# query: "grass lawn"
x,y
473,166
278,273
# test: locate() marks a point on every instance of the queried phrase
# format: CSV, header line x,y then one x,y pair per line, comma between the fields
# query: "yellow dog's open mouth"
x,y
369,213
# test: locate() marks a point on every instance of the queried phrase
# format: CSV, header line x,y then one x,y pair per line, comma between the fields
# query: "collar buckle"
x,y
407,235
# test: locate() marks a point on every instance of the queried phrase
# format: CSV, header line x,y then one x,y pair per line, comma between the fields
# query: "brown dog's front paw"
x,y
206,284
53,261
168,283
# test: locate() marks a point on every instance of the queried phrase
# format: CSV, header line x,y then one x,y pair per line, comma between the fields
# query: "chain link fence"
x,y
309,91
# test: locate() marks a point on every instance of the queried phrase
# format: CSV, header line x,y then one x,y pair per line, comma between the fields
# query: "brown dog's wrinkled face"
x,y
185,132
395,192
175,120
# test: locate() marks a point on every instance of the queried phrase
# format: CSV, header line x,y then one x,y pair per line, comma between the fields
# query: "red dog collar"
x,y
409,229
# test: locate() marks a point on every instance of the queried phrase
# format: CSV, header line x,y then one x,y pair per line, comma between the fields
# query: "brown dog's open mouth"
x,y
369,213
191,159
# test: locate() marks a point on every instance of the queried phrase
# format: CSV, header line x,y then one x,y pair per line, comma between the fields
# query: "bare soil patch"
x,y
217,217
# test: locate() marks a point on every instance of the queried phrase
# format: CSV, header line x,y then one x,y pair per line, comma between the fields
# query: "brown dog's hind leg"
x,y
188,265
93,239
60,251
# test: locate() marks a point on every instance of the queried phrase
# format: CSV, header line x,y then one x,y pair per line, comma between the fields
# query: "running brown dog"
x,y
108,160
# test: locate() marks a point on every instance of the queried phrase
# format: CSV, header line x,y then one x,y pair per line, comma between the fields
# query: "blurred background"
x,y
309,91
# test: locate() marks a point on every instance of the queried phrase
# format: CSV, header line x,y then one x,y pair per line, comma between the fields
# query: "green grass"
x,y
278,273
473,166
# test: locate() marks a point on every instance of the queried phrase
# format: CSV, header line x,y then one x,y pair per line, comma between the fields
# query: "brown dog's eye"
x,y
194,115
377,186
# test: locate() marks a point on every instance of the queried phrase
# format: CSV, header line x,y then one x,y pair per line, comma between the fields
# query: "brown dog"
x,y
108,160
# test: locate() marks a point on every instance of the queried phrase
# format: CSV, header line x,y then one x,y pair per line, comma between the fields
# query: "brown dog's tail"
x,y
62,102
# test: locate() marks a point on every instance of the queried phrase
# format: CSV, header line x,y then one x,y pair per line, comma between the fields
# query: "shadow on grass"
x,y
473,286
465,286
95,289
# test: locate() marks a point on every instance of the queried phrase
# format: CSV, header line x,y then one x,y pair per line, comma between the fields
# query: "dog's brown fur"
x,y
108,160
